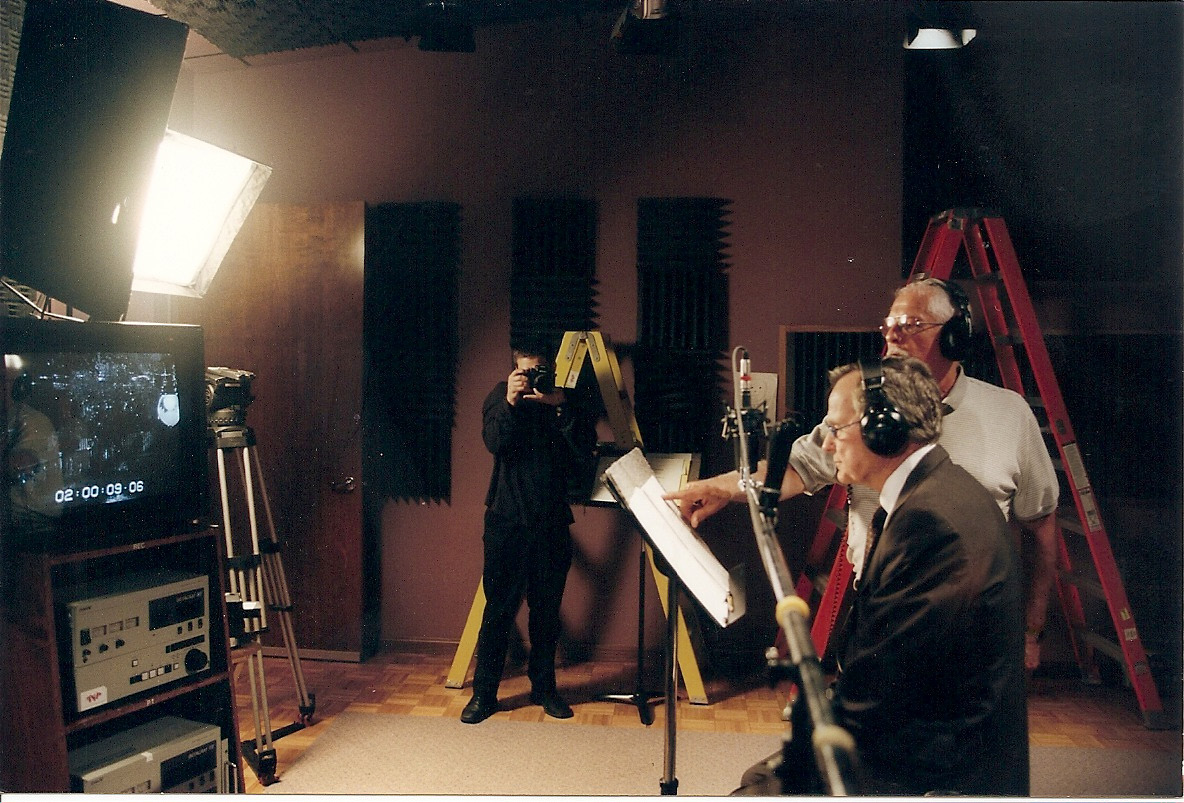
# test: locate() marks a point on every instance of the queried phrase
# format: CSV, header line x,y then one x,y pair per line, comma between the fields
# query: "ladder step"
x,y
1086,584
837,517
1069,521
1009,339
1102,645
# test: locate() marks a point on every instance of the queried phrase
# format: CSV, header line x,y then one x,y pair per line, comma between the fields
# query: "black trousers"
x,y
521,563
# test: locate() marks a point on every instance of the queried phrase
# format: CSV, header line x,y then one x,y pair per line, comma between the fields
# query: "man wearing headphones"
x,y
989,431
932,684
932,681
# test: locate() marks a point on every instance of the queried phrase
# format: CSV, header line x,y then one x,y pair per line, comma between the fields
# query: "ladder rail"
x,y
1083,498
832,604
991,303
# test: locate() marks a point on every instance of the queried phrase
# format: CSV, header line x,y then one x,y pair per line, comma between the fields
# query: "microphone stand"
x,y
812,732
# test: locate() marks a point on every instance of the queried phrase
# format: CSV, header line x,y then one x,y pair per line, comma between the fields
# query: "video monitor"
x,y
105,439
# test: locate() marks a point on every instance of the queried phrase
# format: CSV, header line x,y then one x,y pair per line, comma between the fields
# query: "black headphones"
x,y
957,333
884,429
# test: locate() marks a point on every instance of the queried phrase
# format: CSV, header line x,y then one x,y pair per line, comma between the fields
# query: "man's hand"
x,y
1031,652
518,388
554,398
701,499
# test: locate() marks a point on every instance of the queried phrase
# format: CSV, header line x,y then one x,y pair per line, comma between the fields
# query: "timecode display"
x,y
108,492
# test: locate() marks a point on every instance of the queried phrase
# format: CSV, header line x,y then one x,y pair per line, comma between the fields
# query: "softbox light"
x,y
199,198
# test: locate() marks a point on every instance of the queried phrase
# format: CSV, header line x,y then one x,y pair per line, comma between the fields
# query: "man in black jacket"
x,y
536,439
931,683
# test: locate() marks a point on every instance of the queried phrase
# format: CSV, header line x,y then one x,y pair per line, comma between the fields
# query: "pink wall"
x,y
795,116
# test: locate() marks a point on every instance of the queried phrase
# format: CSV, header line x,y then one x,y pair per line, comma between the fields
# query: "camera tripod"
x,y
256,585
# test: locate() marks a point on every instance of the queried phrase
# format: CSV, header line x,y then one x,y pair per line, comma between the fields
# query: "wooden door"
x,y
287,306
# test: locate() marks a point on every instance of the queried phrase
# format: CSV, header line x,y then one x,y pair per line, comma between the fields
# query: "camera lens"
x,y
541,378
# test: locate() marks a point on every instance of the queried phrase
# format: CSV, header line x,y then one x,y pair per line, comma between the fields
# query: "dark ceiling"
x,y
244,28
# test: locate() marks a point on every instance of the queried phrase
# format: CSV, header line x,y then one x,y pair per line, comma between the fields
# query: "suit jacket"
x,y
932,681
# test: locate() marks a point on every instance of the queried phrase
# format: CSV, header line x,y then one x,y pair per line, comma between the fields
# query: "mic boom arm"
x,y
833,748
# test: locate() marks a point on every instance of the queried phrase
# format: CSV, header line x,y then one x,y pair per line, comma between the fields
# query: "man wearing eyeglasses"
x,y
932,687
989,431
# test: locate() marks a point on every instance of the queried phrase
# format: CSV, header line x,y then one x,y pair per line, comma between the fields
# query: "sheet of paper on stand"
x,y
719,592
673,471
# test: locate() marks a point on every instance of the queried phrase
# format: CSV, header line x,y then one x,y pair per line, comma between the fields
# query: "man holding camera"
x,y
536,439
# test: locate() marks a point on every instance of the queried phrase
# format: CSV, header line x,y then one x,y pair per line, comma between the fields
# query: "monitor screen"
x,y
105,431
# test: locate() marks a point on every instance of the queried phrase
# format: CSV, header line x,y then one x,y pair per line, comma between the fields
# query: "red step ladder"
x,y
1011,322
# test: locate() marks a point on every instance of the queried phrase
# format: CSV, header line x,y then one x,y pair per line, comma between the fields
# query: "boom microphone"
x,y
752,420
780,444
745,381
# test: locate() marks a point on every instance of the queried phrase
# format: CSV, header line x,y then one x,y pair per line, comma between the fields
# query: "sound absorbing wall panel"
x,y
410,338
682,320
553,274
809,356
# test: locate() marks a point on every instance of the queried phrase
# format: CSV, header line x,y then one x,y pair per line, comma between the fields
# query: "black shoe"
x,y
479,709
552,703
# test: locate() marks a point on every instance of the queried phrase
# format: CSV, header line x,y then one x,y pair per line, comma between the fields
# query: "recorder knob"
x,y
195,661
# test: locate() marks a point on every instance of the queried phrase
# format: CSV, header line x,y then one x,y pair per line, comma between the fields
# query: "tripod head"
x,y
228,394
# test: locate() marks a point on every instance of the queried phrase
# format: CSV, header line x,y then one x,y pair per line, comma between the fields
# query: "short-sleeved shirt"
x,y
991,432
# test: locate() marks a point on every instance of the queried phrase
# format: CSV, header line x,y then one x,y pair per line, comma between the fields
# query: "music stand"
x,y
673,471
690,564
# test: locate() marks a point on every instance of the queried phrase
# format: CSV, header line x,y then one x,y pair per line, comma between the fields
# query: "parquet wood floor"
x,y
1061,710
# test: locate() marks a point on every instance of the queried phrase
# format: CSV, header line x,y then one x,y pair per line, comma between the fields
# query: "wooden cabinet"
x,y
44,715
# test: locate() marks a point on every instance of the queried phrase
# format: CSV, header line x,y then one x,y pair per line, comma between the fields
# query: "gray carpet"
x,y
390,754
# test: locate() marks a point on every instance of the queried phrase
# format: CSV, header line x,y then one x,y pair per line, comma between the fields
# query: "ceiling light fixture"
x,y
646,27
938,38
445,29
944,25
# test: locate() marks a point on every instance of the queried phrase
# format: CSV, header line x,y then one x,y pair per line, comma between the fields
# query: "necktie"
x,y
878,519
876,530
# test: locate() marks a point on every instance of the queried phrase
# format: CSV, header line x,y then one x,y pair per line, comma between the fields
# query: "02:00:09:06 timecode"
x,y
110,491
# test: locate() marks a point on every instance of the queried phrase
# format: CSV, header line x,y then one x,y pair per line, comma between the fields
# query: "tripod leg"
x,y
279,598
640,697
246,586
257,584
234,579
260,753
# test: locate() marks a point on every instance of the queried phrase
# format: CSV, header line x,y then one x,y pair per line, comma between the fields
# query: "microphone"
x,y
745,381
753,421
780,444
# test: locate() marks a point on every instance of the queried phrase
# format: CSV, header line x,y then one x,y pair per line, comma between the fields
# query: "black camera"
x,y
228,394
541,378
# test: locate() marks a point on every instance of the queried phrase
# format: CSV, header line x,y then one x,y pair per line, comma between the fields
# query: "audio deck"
x,y
169,754
136,632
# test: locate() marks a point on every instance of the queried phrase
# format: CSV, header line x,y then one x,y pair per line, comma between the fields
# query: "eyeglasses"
x,y
833,430
907,325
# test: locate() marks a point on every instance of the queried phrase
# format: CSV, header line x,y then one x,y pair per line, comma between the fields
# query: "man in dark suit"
x,y
931,681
